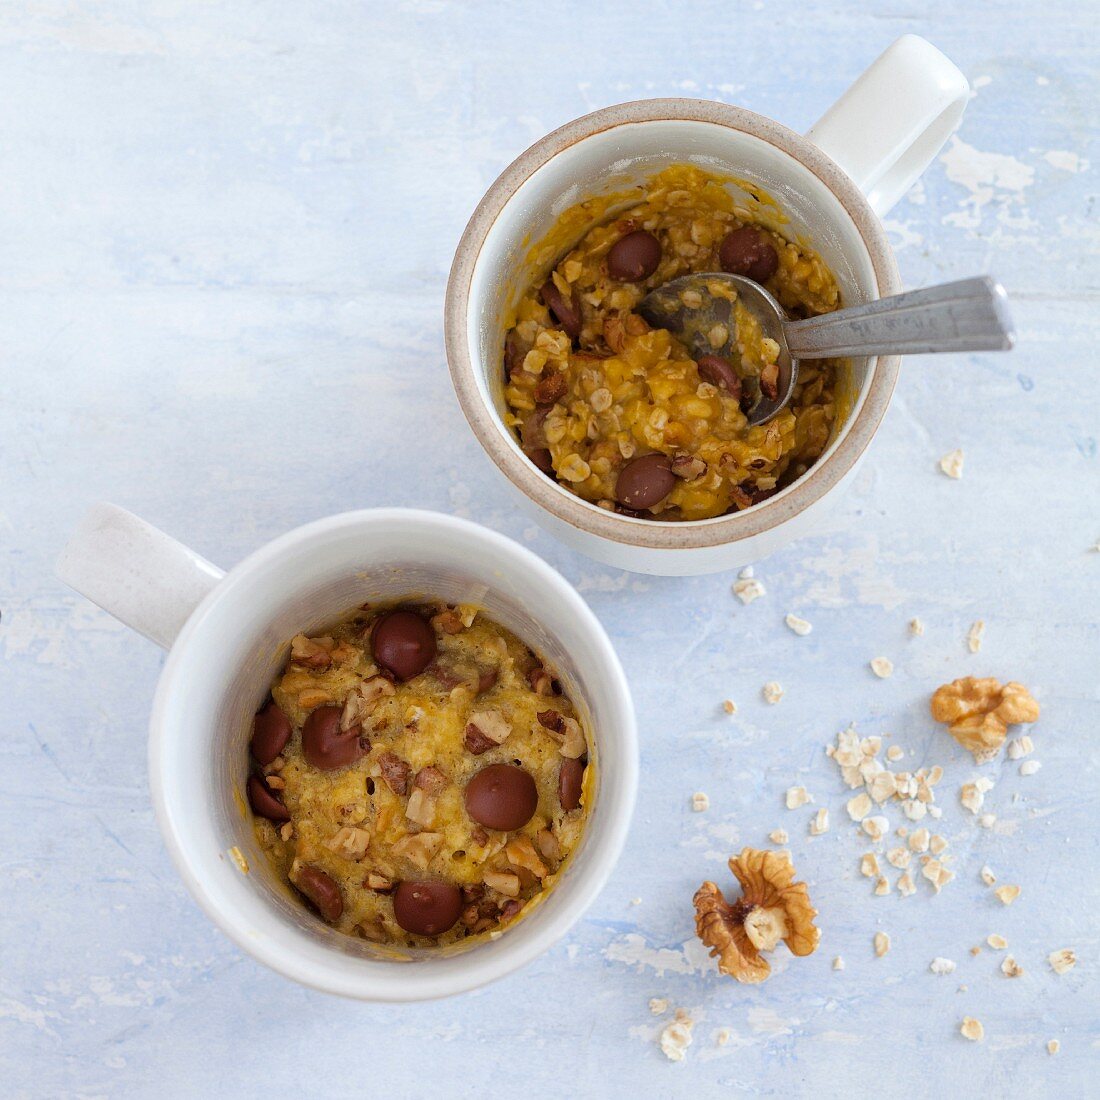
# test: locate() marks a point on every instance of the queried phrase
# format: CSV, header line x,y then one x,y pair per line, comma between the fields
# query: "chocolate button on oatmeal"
x,y
419,776
620,413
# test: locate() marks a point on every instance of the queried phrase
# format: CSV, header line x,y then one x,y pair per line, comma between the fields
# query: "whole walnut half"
x,y
978,712
772,907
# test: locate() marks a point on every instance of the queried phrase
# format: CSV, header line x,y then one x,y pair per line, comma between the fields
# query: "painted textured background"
x,y
226,230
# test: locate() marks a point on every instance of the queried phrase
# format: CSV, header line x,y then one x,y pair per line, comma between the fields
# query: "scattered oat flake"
x,y
882,667
894,753
798,796
974,636
1007,894
988,877
1030,767
972,1029
772,692
799,626
729,706
838,963
937,844
898,857
972,795
941,966
819,823
882,887
676,1037
906,886
952,464
998,943
987,821
919,840
875,827
1053,1046
868,865
658,1005
1063,960
1010,968
916,628
747,589
700,802
239,859
778,836
722,1036
882,944
859,806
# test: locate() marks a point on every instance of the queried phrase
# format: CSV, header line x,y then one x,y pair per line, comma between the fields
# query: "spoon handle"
x,y
970,315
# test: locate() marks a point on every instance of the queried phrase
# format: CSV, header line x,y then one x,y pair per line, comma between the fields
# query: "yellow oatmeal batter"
x,y
364,767
589,386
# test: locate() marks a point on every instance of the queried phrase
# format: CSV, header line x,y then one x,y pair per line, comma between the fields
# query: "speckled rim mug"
x,y
228,635
833,184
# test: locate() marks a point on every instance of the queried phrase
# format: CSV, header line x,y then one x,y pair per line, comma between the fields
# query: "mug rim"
x,y
570,509
399,982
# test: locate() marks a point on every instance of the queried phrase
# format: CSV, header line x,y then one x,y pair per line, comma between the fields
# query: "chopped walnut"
x,y
504,882
430,780
485,730
395,772
548,844
800,626
566,731
772,692
952,464
349,842
688,467
363,701
542,683
778,836
311,652
418,849
676,1037
421,808
1006,895
380,884
1010,968
978,712
882,944
520,853
772,907
797,796
449,621
700,803
882,667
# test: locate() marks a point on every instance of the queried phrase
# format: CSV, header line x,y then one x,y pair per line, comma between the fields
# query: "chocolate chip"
x,y
570,778
515,351
769,381
718,372
427,908
747,251
645,481
688,467
404,643
264,801
502,797
634,257
270,733
395,772
487,680
566,311
321,889
325,745
542,459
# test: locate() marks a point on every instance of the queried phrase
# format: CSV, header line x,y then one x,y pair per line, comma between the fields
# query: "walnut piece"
x,y
978,712
772,907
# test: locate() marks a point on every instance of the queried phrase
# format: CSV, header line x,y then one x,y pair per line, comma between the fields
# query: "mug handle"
x,y
889,125
135,572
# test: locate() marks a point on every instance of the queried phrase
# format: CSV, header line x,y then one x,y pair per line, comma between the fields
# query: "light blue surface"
x,y
226,230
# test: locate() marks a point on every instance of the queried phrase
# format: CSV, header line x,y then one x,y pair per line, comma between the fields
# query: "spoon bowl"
x,y
968,315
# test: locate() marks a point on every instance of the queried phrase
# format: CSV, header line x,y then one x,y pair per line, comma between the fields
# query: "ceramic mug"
x,y
833,184
229,635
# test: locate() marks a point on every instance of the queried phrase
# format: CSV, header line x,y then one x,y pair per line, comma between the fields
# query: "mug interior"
x,y
616,159
221,669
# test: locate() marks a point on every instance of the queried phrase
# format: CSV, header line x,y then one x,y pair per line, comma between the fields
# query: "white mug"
x,y
229,635
833,185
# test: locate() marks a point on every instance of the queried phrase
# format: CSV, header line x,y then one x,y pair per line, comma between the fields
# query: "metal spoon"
x,y
970,315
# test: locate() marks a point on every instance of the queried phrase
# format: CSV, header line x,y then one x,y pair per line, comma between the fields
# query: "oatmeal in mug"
x,y
419,775
619,412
